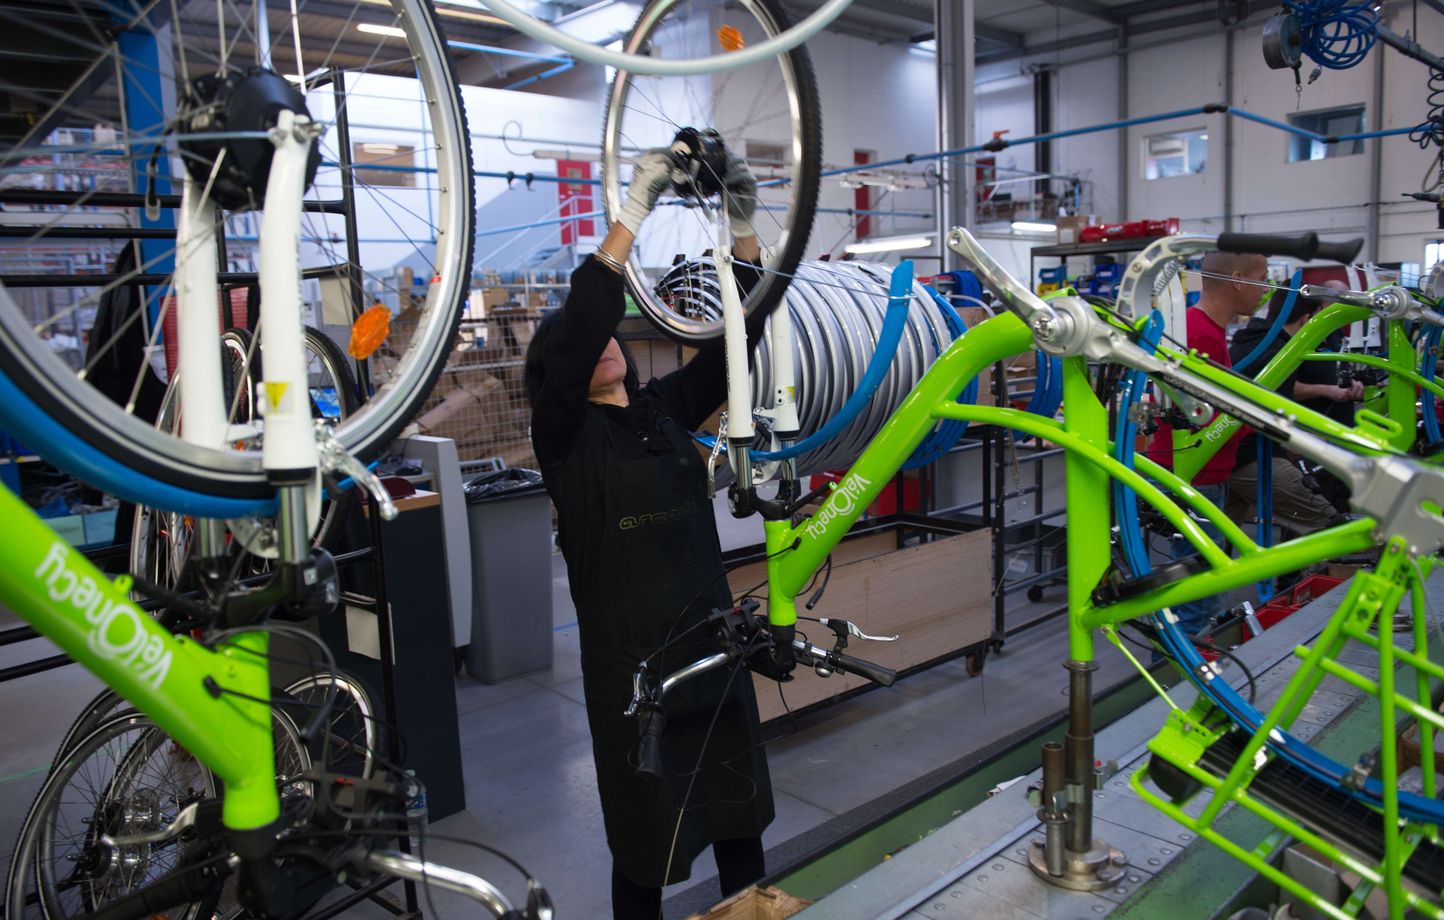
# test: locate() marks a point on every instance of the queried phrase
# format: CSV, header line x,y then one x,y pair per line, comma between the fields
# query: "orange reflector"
x,y
369,331
730,39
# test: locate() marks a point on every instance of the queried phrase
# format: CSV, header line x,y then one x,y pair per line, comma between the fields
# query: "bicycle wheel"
x,y
353,733
412,190
768,112
537,30
160,540
126,777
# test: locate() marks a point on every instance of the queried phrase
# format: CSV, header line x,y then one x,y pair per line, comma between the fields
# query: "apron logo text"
x,y
117,631
686,509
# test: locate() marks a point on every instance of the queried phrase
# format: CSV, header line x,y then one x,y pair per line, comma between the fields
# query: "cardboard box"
x,y
1070,226
769,903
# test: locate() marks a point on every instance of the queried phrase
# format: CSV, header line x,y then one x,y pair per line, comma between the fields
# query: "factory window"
x,y
1348,119
390,164
1432,252
1177,153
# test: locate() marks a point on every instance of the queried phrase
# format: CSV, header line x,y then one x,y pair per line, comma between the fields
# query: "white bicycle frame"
x,y
740,427
289,451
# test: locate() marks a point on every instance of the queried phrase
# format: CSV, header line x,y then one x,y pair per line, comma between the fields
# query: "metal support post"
x,y
954,31
1088,864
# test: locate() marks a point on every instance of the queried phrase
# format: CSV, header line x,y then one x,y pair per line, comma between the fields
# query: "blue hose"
x,y
1323,769
942,438
899,296
1430,369
1125,500
1336,34
1279,322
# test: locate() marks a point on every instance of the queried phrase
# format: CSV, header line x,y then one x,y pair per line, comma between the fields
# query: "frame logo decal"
x,y
117,629
842,501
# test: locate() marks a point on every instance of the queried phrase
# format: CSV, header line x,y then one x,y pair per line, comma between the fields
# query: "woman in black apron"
x,y
637,531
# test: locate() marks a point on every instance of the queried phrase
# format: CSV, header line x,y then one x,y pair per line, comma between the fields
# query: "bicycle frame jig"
x,y
1401,498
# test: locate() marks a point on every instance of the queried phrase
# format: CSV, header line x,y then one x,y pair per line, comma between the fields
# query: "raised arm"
x,y
588,320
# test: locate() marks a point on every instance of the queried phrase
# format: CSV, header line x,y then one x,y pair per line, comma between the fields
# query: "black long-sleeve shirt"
x,y
593,309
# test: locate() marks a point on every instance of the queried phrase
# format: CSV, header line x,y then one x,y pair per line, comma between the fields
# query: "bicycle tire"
x,y
24,868
537,30
57,414
292,759
355,728
160,558
788,239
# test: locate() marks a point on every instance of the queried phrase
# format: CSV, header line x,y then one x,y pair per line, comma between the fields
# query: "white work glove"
x,y
741,188
651,177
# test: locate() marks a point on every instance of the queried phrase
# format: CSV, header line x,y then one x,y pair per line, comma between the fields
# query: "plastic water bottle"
x,y
415,811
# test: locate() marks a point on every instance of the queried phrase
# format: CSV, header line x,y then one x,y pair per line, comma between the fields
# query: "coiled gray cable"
x,y
837,315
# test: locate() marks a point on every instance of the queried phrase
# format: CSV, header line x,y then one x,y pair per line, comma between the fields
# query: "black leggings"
x,y
739,864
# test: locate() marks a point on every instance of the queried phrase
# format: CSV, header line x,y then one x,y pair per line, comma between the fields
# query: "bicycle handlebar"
x,y
478,889
847,663
741,632
1305,247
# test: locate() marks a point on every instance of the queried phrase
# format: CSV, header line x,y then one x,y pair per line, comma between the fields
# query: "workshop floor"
x,y
527,754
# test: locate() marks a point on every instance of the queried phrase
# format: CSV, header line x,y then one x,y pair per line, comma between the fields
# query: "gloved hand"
x,y
652,175
741,188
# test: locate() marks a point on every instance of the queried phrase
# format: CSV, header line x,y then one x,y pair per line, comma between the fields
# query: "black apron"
x,y
660,552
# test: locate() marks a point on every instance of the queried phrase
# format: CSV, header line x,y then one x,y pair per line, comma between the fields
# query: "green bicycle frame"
x,y
211,701
795,553
1193,450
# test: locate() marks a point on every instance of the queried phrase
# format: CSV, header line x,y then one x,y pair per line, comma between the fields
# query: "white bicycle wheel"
x,y
768,113
780,43
70,183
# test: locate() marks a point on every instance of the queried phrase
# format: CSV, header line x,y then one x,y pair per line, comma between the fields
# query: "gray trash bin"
x,y
509,516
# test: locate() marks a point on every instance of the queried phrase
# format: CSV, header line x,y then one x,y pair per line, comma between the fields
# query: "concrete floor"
x,y
528,767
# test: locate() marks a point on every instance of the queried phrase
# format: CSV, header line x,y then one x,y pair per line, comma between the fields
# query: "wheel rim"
x,y
104,787
429,223
351,727
126,777
161,540
764,103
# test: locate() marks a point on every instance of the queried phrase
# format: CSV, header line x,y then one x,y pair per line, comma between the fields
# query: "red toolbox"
x,y
1297,596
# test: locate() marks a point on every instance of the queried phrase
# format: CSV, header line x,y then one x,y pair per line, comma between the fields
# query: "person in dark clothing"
x,y
636,528
1297,507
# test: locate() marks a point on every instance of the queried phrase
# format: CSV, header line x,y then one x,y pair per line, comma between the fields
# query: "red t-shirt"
x,y
1207,338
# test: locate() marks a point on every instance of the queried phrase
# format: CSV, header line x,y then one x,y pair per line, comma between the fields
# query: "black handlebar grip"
x,y
649,750
1344,252
873,672
1305,247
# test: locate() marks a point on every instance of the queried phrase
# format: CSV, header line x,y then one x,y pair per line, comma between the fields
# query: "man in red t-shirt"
x,y
1231,290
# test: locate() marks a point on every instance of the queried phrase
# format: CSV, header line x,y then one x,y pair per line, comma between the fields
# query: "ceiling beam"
x,y
1090,8
1004,38
998,36
1144,7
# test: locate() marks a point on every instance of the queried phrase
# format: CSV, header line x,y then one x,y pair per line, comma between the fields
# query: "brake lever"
x,y
844,628
644,691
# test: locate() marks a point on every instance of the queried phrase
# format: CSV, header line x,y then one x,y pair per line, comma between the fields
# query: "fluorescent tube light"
x,y
890,244
372,29
1028,226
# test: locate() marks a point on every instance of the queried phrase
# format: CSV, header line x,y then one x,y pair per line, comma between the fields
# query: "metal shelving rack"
x,y
1065,250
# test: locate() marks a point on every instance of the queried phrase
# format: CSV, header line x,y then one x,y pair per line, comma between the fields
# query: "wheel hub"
x,y
237,101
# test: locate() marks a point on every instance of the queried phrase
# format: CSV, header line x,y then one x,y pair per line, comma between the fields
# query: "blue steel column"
x,y
143,93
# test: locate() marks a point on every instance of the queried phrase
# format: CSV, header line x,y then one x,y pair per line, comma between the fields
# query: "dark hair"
x,y
1304,307
534,368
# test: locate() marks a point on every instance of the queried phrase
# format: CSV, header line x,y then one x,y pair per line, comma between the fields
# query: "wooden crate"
x,y
937,597
769,903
